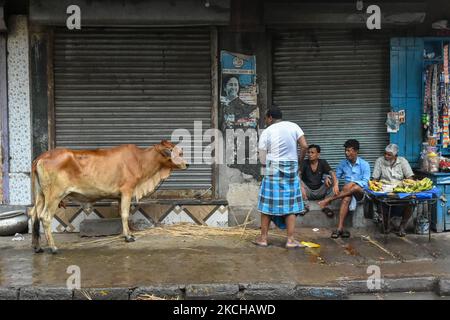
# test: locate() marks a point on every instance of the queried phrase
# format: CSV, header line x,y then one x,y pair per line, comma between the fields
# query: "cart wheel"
x,y
368,208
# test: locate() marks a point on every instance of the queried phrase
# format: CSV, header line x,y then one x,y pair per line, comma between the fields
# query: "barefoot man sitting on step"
x,y
318,180
356,173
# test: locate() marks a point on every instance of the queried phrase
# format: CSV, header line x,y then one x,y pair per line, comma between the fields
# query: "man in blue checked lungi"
x,y
280,196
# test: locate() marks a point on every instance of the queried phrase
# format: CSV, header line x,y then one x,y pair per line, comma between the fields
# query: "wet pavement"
x,y
399,296
162,258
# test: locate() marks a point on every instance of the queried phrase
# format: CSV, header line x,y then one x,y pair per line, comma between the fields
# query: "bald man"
x,y
392,169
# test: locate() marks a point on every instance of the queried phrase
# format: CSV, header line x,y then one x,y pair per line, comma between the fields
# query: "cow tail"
x,y
36,192
33,181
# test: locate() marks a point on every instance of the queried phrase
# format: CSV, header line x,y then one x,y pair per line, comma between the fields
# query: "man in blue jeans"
x,y
356,173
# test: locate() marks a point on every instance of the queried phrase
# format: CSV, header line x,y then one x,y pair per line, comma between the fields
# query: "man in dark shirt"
x,y
318,179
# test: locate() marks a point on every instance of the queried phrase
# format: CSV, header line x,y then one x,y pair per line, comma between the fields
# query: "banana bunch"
x,y
412,186
375,185
425,184
409,182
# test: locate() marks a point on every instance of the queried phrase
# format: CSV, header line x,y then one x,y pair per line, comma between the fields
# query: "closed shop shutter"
x,y
335,86
120,86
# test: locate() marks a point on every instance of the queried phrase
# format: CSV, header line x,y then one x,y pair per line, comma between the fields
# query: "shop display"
x,y
430,157
432,160
436,100
444,165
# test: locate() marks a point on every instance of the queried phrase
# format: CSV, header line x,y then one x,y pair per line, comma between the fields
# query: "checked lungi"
x,y
280,193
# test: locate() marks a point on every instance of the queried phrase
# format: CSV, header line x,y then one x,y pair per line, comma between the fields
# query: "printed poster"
x,y
238,96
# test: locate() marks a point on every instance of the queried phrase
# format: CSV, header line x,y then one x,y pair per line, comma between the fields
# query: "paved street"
x,y
175,262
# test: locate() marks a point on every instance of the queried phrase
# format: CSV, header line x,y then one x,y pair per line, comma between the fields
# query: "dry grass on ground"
x,y
189,230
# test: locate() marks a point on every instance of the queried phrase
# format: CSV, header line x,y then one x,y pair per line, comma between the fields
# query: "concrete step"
x,y
315,218
100,227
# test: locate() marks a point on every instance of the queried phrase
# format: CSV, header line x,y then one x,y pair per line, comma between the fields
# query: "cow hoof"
x,y
54,250
130,239
38,250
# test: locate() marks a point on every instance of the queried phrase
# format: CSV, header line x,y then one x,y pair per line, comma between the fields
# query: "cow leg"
x,y
35,226
46,219
125,213
35,231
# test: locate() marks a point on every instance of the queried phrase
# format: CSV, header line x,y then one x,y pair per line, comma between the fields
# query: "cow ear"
x,y
166,152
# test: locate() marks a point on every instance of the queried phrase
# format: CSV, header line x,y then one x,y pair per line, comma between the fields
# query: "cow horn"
x,y
167,143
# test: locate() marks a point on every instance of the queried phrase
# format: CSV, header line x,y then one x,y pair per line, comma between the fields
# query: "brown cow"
x,y
122,173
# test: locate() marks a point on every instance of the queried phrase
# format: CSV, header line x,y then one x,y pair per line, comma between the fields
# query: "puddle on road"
x,y
117,267
350,250
398,296
314,255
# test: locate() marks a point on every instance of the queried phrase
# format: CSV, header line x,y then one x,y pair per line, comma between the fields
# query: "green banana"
x,y
411,186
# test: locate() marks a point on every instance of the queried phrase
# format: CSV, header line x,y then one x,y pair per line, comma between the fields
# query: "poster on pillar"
x,y
239,90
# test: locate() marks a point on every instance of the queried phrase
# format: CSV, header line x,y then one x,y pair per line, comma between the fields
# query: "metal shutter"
x,y
120,86
335,86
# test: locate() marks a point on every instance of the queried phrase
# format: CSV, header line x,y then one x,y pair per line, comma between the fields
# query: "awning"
x,y
133,13
393,13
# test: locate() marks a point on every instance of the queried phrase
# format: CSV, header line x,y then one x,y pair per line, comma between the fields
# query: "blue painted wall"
x,y
406,94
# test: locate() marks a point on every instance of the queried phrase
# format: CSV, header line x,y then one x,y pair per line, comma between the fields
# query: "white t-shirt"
x,y
280,141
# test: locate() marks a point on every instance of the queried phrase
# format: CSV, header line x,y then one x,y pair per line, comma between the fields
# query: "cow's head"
x,y
173,155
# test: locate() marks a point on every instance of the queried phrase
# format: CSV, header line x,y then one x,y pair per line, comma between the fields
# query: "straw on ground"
x,y
189,230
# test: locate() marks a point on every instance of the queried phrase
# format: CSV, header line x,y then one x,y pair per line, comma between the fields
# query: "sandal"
x,y
294,244
328,212
336,234
401,233
345,234
305,211
260,243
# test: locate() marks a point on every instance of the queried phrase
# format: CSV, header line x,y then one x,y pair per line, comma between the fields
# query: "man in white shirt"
x,y
280,197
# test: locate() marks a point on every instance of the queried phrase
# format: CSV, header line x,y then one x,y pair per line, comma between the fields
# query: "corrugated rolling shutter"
x,y
335,86
120,86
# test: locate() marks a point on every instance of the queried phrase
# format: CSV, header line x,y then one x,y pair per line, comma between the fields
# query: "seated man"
x,y
356,173
393,168
316,177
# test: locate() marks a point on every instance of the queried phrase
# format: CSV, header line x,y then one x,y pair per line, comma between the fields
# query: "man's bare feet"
x,y
324,203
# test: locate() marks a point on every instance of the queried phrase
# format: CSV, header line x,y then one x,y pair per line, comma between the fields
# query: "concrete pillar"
x,y
4,122
19,115
239,183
